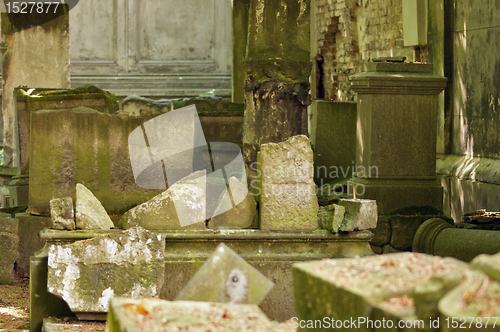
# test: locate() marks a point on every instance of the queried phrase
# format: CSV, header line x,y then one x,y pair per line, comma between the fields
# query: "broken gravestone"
x,y
62,213
240,216
90,214
360,214
186,197
331,217
9,242
87,274
150,315
226,277
287,200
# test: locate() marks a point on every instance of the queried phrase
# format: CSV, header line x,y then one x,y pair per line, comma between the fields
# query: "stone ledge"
x,y
465,168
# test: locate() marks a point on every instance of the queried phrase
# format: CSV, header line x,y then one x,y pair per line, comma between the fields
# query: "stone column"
x,y
37,56
396,135
277,65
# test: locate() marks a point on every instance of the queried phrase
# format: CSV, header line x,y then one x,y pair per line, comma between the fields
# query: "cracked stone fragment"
x,y
331,217
360,214
90,214
226,277
87,274
62,213
184,199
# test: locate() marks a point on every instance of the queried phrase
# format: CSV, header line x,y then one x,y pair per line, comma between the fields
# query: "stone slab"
x,y
152,315
8,247
226,277
374,287
87,274
89,212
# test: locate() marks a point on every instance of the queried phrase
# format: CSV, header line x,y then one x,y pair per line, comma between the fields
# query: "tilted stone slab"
x,y
375,287
90,214
186,197
240,216
360,214
8,255
288,194
331,217
226,277
154,315
87,274
62,213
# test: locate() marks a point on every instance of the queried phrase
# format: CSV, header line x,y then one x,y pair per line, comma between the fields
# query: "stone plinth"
x,y
36,57
396,135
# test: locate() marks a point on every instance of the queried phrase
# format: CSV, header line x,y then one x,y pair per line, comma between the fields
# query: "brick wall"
x,y
350,32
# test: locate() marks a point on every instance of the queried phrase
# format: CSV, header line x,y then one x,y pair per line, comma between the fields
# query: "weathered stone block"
x,y
8,247
62,213
403,231
377,287
287,200
381,233
226,277
240,216
360,214
90,214
185,198
9,225
330,217
128,315
489,264
87,274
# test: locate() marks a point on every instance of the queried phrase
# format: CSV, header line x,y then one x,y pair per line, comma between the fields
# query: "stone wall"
x,y
349,32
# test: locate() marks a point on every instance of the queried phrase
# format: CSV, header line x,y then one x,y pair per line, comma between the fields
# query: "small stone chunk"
x,y
360,214
154,315
90,214
87,274
330,217
62,213
226,277
240,216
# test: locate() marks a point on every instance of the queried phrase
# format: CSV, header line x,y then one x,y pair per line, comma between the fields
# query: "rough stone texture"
x,y
9,248
9,225
62,213
242,215
377,287
331,217
287,200
226,277
381,233
388,249
87,274
35,57
162,213
29,238
489,264
403,231
333,136
90,214
127,314
360,214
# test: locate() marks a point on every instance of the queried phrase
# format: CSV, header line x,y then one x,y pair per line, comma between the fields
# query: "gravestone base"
x,y
272,253
396,194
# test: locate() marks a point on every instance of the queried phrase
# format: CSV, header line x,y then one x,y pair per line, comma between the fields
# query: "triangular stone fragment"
x,y
227,278
90,214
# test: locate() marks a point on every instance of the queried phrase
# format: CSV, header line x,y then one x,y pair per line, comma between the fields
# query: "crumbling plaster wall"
x,y
349,32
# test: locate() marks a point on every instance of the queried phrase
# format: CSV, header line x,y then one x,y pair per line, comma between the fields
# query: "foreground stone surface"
x,y
62,213
240,216
375,287
226,277
184,198
287,200
87,274
360,214
90,214
152,315
489,264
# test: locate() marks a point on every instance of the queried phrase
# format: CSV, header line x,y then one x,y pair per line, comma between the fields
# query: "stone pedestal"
x,y
277,65
396,135
36,56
